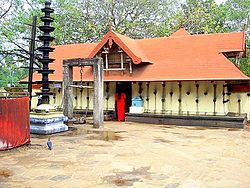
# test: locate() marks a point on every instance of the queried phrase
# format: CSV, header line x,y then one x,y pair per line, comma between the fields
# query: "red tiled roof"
x,y
128,45
179,57
62,52
181,32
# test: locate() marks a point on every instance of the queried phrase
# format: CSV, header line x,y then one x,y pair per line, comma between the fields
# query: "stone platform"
x,y
189,120
47,123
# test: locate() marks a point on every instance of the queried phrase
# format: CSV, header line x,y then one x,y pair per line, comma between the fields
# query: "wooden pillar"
x,y
225,98
130,67
98,94
68,91
106,51
122,63
76,98
215,97
239,106
87,97
107,95
180,98
155,93
163,97
81,90
147,99
106,60
197,98
140,88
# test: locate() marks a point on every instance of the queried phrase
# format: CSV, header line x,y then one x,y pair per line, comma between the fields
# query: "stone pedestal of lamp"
x,y
46,120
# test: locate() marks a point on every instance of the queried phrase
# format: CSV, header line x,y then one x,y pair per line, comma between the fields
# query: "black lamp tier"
x,y
46,49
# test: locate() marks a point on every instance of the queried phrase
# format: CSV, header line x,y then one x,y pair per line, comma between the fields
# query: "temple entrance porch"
x,y
177,99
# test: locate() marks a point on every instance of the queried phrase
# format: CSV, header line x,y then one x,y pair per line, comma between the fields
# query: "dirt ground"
x,y
131,155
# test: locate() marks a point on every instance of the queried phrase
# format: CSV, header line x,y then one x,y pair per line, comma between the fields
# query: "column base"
x,y
47,122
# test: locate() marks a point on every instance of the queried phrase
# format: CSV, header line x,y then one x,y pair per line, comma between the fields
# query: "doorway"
x,y
124,87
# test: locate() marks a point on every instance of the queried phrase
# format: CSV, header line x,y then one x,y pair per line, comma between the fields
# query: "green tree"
x,y
13,53
87,21
236,14
78,21
202,16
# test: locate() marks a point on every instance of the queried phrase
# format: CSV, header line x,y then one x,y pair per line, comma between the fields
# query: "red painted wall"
x,y
14,122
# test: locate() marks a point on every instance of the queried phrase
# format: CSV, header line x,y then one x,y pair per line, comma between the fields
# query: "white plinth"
x,y
47,121
136,110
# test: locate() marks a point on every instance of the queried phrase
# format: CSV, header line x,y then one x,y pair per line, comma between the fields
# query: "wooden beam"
x,y
114,69
97,64
81,86
80,61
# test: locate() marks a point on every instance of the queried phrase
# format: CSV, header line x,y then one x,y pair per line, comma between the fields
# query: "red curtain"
x,y
14,122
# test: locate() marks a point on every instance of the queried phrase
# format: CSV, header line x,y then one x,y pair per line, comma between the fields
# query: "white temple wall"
x,y
154,104
171,105
83,98
110,94
188,98
239,103
189,94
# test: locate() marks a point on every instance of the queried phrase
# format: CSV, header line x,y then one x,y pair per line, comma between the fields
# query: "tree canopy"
x,y
79,21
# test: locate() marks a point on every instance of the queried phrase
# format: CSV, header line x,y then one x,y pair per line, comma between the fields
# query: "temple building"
x,y
182,75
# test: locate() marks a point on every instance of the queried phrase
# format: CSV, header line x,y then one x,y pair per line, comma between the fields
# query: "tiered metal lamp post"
x,y
45,119
46,49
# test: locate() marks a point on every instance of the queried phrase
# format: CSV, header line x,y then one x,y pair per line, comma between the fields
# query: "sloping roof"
x,y
128,45
179,57
62,52
181,32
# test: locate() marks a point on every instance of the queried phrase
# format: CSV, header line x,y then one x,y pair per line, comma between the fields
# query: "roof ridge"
x,y
224,33
191,35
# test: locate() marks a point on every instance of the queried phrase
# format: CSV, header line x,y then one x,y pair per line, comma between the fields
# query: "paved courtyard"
x,y
131,155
